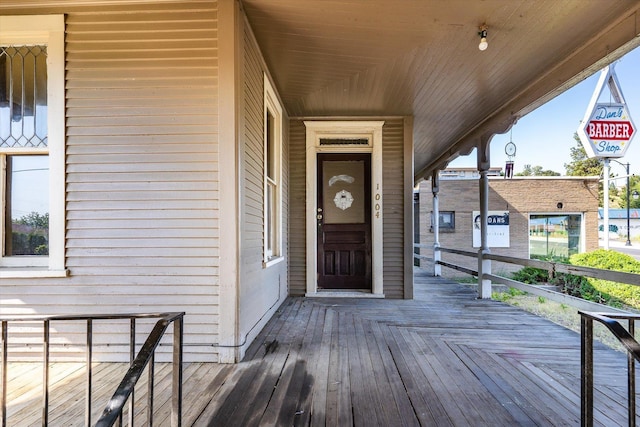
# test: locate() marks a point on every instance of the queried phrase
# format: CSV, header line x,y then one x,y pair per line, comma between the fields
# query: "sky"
x,y
544,136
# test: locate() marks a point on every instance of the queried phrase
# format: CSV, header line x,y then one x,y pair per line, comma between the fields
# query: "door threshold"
x,y
336,293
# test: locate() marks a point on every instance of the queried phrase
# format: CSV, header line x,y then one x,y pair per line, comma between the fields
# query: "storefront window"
x,y
554,235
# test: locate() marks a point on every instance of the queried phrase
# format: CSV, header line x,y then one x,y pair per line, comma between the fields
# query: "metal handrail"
x,y
125,390
626,338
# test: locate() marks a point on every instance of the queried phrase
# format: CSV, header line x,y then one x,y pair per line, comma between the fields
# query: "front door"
x,y
344,221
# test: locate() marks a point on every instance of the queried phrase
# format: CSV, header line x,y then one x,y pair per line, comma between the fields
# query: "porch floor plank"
x,y
444,358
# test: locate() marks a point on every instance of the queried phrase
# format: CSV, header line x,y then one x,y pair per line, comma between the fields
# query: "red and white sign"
x,y
601,129
607,128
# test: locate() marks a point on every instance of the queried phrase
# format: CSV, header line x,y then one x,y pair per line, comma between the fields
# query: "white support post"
x,y
484,265
605,177
435,188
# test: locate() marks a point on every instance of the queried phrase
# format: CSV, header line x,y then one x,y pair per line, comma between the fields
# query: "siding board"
x,y
393,208
262,288
142,171
297,208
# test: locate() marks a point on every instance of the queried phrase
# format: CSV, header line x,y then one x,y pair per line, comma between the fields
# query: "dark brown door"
x,y
344,221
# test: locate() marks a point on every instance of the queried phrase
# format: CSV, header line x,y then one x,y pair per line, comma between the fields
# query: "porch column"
x,y
229,350
484,265
435,188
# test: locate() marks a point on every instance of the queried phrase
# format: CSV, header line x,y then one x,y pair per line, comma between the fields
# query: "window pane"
x,y
271,236
269,224
554,235
271,164
27,209
23,96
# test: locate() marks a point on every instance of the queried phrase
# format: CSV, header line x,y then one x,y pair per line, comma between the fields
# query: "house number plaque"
x,y
377,198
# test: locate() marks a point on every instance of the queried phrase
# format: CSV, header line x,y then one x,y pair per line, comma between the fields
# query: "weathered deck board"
x,y
444,358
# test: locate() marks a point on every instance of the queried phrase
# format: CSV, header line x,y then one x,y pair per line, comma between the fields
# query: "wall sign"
x,y
497,229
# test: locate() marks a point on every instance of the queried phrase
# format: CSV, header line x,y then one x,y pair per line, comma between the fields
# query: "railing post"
x,y
5,365
150,388
87,409
176,395
586,375
45,376
132,357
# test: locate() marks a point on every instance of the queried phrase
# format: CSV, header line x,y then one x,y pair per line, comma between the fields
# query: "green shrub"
x,y
515,292
552,257
606,260
531,275
602,291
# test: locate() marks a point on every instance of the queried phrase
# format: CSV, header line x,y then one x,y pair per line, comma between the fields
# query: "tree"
x,y
580,164
33,237
536,171
634,185
35,220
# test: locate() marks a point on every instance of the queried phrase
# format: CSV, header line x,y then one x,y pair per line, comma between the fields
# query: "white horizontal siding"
x,y
393,180
297,194
262,289
142,174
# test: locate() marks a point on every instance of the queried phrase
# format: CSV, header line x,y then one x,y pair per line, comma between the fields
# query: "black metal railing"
x,y
125,391
626,338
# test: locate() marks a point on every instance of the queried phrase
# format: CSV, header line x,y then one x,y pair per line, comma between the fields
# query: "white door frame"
x,y
372,132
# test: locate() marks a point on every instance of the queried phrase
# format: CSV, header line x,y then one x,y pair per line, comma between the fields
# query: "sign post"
x,y
606,131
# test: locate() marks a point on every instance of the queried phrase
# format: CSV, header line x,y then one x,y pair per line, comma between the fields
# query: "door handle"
x,y
319,217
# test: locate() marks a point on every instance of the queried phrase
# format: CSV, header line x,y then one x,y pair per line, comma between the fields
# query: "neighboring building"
x,y
618,223
467,173
546,216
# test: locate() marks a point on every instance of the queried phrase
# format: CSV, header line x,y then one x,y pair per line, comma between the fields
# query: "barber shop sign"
x,y
607,128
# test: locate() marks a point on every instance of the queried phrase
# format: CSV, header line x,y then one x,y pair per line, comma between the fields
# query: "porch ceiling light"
x,y
483,37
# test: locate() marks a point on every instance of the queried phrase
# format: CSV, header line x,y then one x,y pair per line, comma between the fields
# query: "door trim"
x,y
372,131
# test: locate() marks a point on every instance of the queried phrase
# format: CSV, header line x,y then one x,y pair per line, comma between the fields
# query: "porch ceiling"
x,y
421,58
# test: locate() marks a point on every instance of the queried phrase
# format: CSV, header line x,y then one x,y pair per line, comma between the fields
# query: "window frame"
x,y
47,30
581,235
272,185
444,227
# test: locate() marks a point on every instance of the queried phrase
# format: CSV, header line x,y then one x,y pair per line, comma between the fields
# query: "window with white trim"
x,y
272,165
32,145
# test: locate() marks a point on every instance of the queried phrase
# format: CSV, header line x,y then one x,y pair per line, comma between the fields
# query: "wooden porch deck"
x,y
442,359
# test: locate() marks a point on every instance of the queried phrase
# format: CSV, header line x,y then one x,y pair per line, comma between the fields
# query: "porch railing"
x,y
552,267
626,338
125,391
588,311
